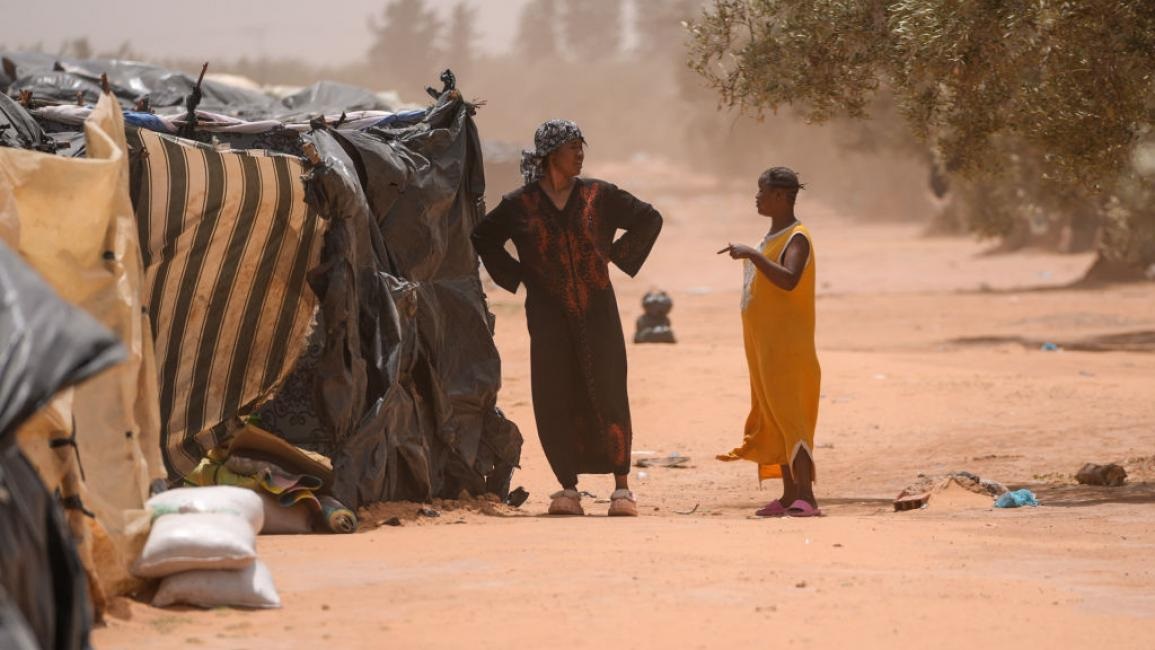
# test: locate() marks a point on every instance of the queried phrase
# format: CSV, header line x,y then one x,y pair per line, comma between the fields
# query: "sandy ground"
x,y
931,362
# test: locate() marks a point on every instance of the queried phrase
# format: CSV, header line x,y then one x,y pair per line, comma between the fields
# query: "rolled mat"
x,y
336,517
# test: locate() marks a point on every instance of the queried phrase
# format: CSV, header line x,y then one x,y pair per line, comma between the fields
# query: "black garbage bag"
x,y
45,345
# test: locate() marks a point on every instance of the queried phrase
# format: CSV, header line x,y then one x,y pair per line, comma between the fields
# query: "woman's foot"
x,y
566,502
623,504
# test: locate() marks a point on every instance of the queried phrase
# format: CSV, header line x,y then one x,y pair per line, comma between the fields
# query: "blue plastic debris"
x,y
1017,499
1050,347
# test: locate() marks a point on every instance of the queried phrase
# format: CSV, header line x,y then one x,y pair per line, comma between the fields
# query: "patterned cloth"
x,y
548,137
288,489
226,239
577,349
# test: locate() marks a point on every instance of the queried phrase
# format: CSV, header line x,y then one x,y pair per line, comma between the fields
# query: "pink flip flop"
x,y
772,509
801,508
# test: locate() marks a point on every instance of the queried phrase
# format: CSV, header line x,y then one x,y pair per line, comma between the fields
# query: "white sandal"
x,y
623,503
566,502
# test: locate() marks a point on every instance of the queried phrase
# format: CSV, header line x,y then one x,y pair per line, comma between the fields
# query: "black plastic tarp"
x,y
425,185
327,98
130,81
64,81
19,130
429,425
365,392
45,345
15,634
59,87
18,64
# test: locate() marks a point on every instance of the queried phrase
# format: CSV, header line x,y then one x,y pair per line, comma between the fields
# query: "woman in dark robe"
x,y
564,229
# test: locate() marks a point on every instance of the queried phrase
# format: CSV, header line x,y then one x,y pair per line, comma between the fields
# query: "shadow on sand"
x,y
1137,341
1083,496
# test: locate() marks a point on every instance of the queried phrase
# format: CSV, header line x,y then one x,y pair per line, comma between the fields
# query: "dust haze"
x,y
616,68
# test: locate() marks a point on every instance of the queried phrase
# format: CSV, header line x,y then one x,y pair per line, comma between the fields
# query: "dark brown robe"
x,y
577,349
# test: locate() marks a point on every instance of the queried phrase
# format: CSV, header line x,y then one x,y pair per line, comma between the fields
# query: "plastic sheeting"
x,y
39,565
57,86
16,64
405,374
14,631
63,80
423,186
365,396
129,81
19,130
45,345
216,124
326,98
72,220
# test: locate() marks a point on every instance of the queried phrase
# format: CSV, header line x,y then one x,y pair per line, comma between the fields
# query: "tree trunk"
x,y
1104,271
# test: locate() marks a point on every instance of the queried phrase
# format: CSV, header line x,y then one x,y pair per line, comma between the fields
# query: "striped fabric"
x,y
227,241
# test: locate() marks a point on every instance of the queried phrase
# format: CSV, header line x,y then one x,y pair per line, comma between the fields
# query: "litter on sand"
x,y
1017,499
953,491
673,460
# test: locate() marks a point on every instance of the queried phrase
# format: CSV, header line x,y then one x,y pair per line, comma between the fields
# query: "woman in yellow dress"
x,y
778,327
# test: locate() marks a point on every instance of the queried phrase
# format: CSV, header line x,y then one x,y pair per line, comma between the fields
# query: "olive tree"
x,y
1062,92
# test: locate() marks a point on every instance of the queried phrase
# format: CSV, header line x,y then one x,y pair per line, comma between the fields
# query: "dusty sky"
x,y
324,32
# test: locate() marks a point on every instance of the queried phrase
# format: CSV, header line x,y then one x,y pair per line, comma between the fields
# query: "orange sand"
x,y
901,396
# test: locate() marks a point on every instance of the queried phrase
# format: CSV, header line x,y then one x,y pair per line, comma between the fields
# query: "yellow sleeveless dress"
x,y
778,328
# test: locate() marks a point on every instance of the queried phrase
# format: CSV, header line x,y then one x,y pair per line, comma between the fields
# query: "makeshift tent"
x,y
45,345
456,440
425,188
405,404
72,220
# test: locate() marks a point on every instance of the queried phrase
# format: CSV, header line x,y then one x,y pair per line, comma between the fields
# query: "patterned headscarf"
x,y
549,136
